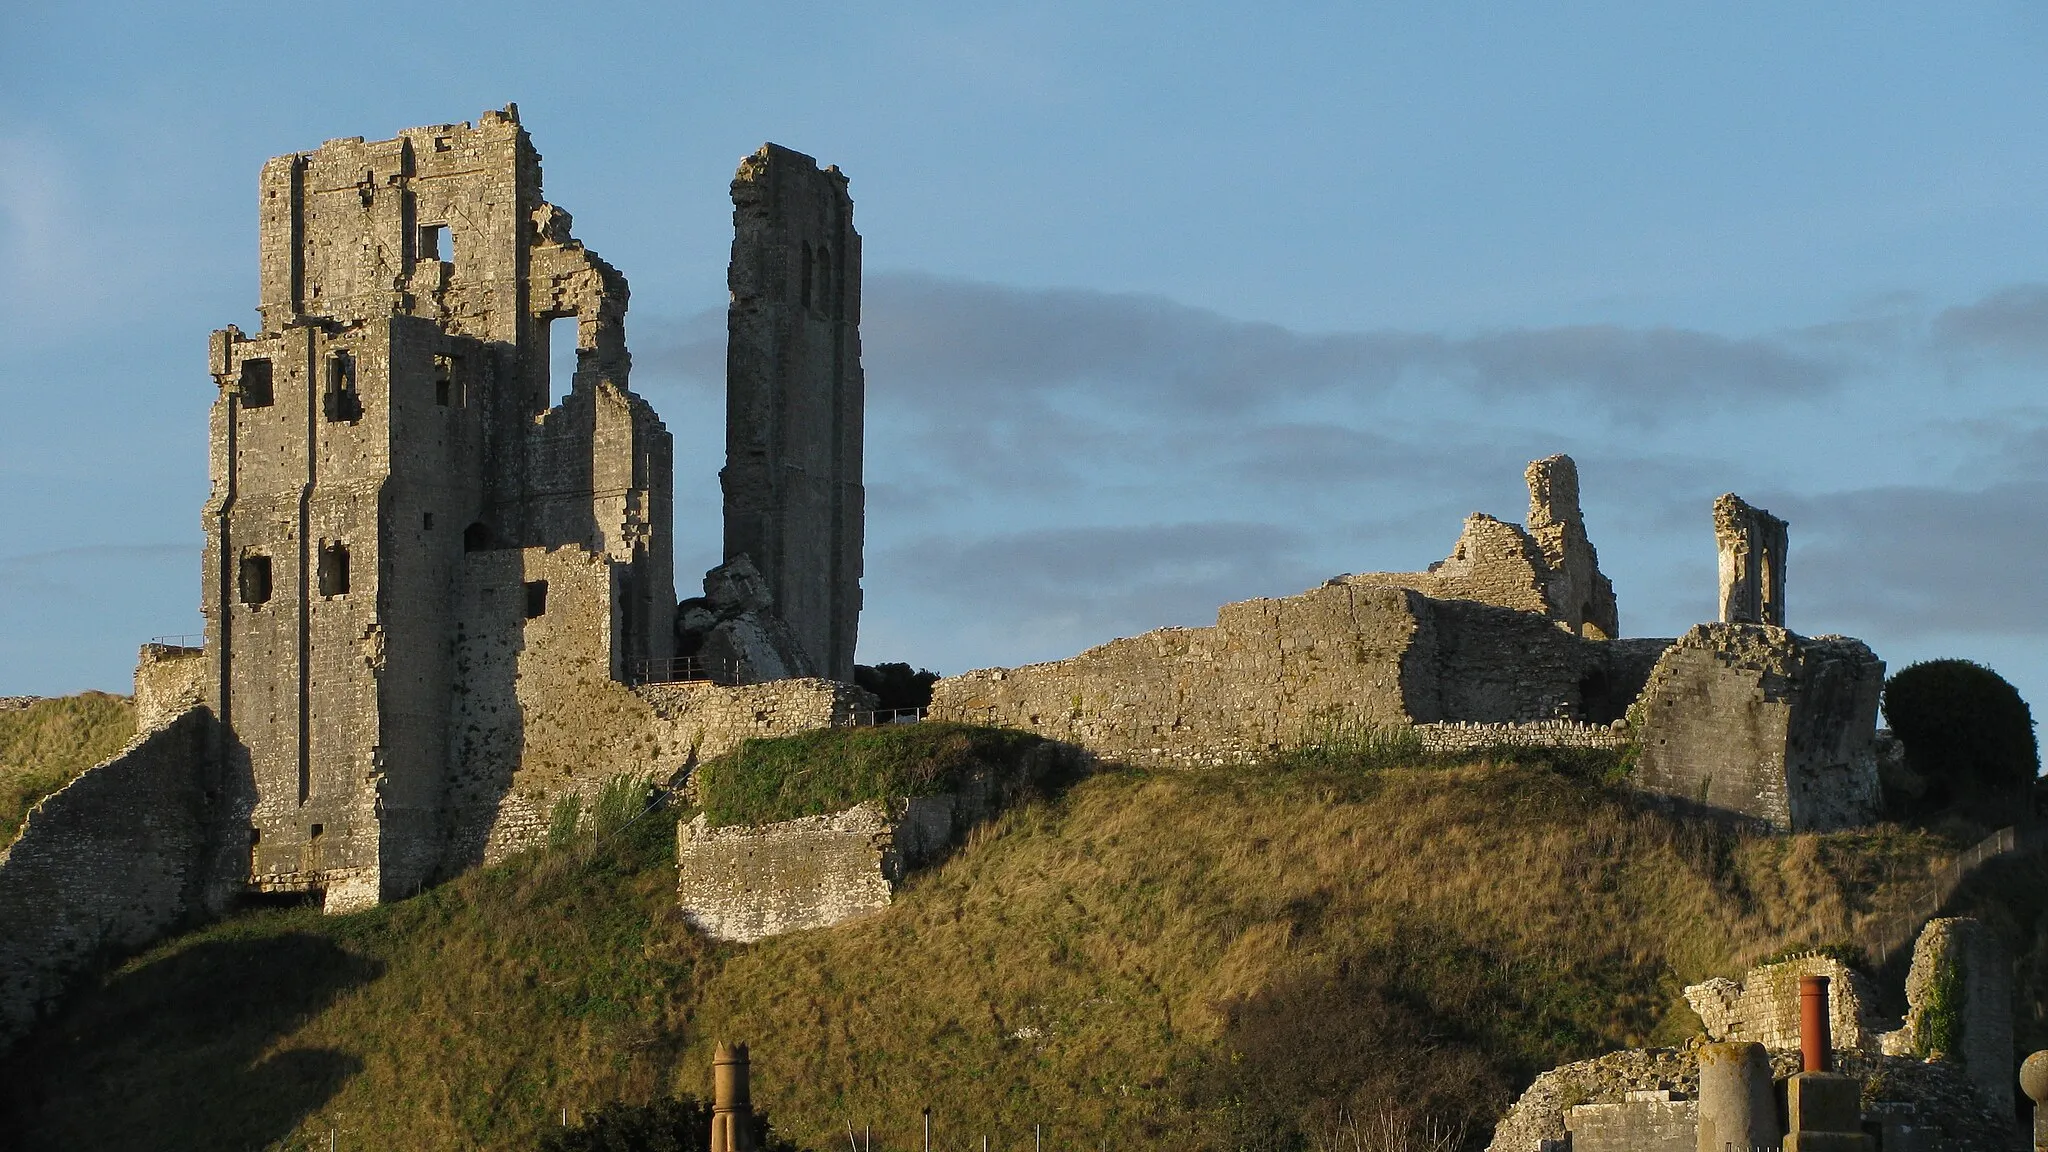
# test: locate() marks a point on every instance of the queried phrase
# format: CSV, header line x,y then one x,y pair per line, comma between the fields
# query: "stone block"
x,y
1756,721
750,882
1634,1125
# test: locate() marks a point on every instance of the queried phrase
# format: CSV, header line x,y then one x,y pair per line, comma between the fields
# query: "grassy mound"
x,y
832,769
1228,959
46,745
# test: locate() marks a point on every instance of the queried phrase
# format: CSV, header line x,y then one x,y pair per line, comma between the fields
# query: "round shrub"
x,y
1963,727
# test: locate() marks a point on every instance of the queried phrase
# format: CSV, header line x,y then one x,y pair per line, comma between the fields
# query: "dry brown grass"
x,y
1229,959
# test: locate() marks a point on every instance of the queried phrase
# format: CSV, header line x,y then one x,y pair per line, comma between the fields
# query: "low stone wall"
x,y
108,863
749,882
1459,737
1764,1007
1957,957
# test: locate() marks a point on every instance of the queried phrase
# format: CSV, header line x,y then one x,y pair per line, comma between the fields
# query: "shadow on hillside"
x,y
178,1052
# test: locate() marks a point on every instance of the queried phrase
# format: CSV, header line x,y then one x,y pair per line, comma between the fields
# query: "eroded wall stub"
x,y
1549,567
1962,974
1579,595
1764,1006
1752,562
1755,721
794,500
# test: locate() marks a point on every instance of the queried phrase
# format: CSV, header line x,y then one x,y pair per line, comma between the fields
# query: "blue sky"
x,y
1167,305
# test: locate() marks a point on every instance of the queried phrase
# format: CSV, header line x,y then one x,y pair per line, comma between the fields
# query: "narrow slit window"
x,y
448,381
334,569
821,291
256,387
340,402
434,243
254,579
315,831
536,598
427,521
804,293
562,356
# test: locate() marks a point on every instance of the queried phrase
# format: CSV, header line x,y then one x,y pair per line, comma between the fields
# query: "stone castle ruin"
x,y
439,592
438,585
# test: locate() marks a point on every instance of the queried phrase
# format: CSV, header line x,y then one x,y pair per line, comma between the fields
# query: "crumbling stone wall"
x,y
169,678
1944,1112
1959,1001
794,502
1273,674
1549,568
126,852
1755,720
1764,1006
1752,548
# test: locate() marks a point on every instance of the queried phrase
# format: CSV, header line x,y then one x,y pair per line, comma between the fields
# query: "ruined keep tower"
x,y
1752,547
396,489
794,503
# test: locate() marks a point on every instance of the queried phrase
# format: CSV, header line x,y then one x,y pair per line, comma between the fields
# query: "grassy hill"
x,y
1227,959
47,743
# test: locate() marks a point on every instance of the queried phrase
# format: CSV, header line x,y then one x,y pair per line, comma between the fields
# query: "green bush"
x,y
1966,731
832,769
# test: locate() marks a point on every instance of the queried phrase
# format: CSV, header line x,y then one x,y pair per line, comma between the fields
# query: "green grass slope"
x,y
45,745
1225,959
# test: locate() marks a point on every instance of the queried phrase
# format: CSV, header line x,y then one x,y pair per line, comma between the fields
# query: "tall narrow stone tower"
x,y
794,502
392,492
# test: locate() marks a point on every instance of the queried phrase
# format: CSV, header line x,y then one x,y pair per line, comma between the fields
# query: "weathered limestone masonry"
x,y
111,861
1754,720
1764,1007
748,882
1752,547
794,503
1492,635
432,573
169,678
1962,976
1919,1106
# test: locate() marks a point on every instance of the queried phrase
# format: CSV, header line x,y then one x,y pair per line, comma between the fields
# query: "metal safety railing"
x,y
883,716
680,670
184,640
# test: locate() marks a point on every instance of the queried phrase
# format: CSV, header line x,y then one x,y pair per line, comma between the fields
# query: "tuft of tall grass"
x,y
832,769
